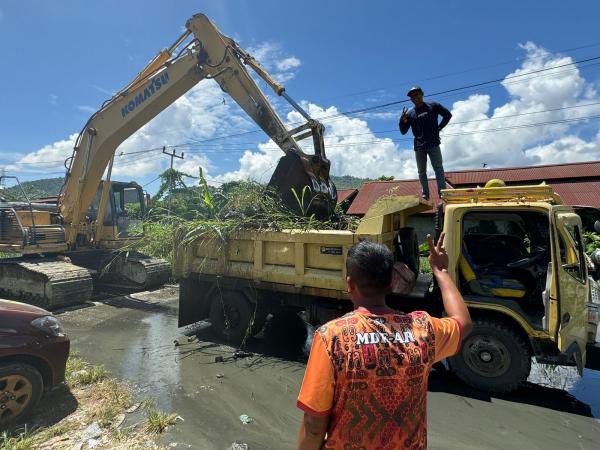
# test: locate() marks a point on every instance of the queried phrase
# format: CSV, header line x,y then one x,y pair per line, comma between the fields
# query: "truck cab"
x,y
517,256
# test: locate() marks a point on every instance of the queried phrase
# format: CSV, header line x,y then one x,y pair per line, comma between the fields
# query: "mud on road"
x,y
137,339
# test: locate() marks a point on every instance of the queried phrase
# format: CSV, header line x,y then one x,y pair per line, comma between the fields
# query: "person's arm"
x,y
446,116
454,304
404,123
312,432
316,395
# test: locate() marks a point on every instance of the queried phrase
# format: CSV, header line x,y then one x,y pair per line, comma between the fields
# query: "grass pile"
x,y
232,208
251,206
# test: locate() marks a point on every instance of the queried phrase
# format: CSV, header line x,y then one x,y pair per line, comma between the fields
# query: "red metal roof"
x,y
343,194
373,190
584,193
590,169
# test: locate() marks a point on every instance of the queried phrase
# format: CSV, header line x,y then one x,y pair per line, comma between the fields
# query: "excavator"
x,y
60,248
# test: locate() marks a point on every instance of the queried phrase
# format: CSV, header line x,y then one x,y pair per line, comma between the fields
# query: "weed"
x,y
424,266
88,375
23,441
115,392
158,421
106,415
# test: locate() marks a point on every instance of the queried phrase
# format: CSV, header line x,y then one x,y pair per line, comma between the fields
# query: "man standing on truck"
x,y
423,119
365,384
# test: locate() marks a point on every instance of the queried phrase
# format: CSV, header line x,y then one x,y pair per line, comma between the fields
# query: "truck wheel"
x,y
409,244
21,387
230,314
493,358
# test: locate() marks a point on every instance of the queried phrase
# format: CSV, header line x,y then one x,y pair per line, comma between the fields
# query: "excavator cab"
x,y
124,211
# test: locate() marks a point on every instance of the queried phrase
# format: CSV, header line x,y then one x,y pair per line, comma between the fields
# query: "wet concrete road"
x,y
134,337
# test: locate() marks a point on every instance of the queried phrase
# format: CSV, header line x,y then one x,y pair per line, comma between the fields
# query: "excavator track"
x,y
125,270
50,283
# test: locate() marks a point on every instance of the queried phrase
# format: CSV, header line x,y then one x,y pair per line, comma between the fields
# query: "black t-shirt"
x,y
424,124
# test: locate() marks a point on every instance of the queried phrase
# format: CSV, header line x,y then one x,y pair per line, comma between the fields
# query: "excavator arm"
x,y
210,54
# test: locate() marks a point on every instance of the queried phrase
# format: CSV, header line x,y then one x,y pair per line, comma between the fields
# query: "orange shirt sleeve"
x,y
316,393
448,337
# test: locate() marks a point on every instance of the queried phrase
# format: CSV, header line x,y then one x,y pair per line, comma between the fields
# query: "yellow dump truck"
x,y
516,253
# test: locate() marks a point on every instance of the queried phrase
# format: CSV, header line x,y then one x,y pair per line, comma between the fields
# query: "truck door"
x,y
570,290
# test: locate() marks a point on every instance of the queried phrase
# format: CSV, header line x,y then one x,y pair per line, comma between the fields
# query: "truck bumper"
x,y
592,360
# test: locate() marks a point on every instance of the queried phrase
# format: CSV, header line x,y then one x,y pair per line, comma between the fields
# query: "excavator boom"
x,y
79,236
209,55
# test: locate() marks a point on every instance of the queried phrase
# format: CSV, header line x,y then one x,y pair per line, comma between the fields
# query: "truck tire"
x,y
494,358
409,245
231,314
21,387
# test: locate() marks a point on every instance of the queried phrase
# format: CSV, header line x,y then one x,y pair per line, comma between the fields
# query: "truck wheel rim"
x,y
487,356
15,394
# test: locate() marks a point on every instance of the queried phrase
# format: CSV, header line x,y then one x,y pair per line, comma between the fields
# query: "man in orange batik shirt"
x,y
365,385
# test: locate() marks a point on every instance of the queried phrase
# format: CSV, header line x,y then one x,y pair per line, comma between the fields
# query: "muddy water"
x,y
134,337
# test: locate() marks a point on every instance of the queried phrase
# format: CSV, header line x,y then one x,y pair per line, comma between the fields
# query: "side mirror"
x,y
597,226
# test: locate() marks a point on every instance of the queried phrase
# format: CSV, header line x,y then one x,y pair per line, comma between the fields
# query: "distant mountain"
x,y
46,187
348,181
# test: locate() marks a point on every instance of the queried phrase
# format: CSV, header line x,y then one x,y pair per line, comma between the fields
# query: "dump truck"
x,y
516,254
89,232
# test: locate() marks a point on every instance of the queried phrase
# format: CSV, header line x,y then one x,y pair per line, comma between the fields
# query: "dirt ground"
x,y
137,339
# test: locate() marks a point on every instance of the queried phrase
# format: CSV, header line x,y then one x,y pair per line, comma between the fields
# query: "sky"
x,y
523,76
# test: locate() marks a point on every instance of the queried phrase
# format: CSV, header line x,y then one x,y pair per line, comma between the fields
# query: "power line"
x,y
367,109
473,69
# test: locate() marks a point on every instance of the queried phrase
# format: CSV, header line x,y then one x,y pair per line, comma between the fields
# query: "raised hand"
x,y
438,259
404,116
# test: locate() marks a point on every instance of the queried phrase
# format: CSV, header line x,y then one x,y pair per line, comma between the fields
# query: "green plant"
x,y
22,441
158,421
592,242
88,375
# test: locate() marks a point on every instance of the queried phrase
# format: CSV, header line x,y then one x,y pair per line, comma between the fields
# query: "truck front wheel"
x,y
493,358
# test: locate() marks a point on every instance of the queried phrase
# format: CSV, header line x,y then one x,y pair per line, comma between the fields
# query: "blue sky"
x,y
62,59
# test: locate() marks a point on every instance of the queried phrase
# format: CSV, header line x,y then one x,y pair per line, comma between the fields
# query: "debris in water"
x,y
238,446
220,375
246,419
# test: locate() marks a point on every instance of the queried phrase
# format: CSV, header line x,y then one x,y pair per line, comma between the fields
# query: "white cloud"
x,y
288,63
355,150
469,145
49,158
87,109
350,143
274,59
53,99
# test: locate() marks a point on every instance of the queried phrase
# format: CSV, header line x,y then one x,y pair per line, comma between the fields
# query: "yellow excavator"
x,y
62,246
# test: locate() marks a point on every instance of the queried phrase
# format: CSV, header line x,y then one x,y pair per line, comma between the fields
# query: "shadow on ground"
x,y
529,393
53,407
288,344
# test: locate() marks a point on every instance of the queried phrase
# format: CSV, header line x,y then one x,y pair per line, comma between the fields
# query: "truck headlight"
x,y
49,325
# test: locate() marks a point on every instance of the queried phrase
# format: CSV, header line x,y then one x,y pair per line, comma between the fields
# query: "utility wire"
x,y
370,108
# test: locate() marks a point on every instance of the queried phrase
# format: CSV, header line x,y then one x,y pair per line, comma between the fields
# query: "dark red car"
x,y
33,357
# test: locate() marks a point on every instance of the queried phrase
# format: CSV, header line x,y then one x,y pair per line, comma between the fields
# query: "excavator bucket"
x,y
302,181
